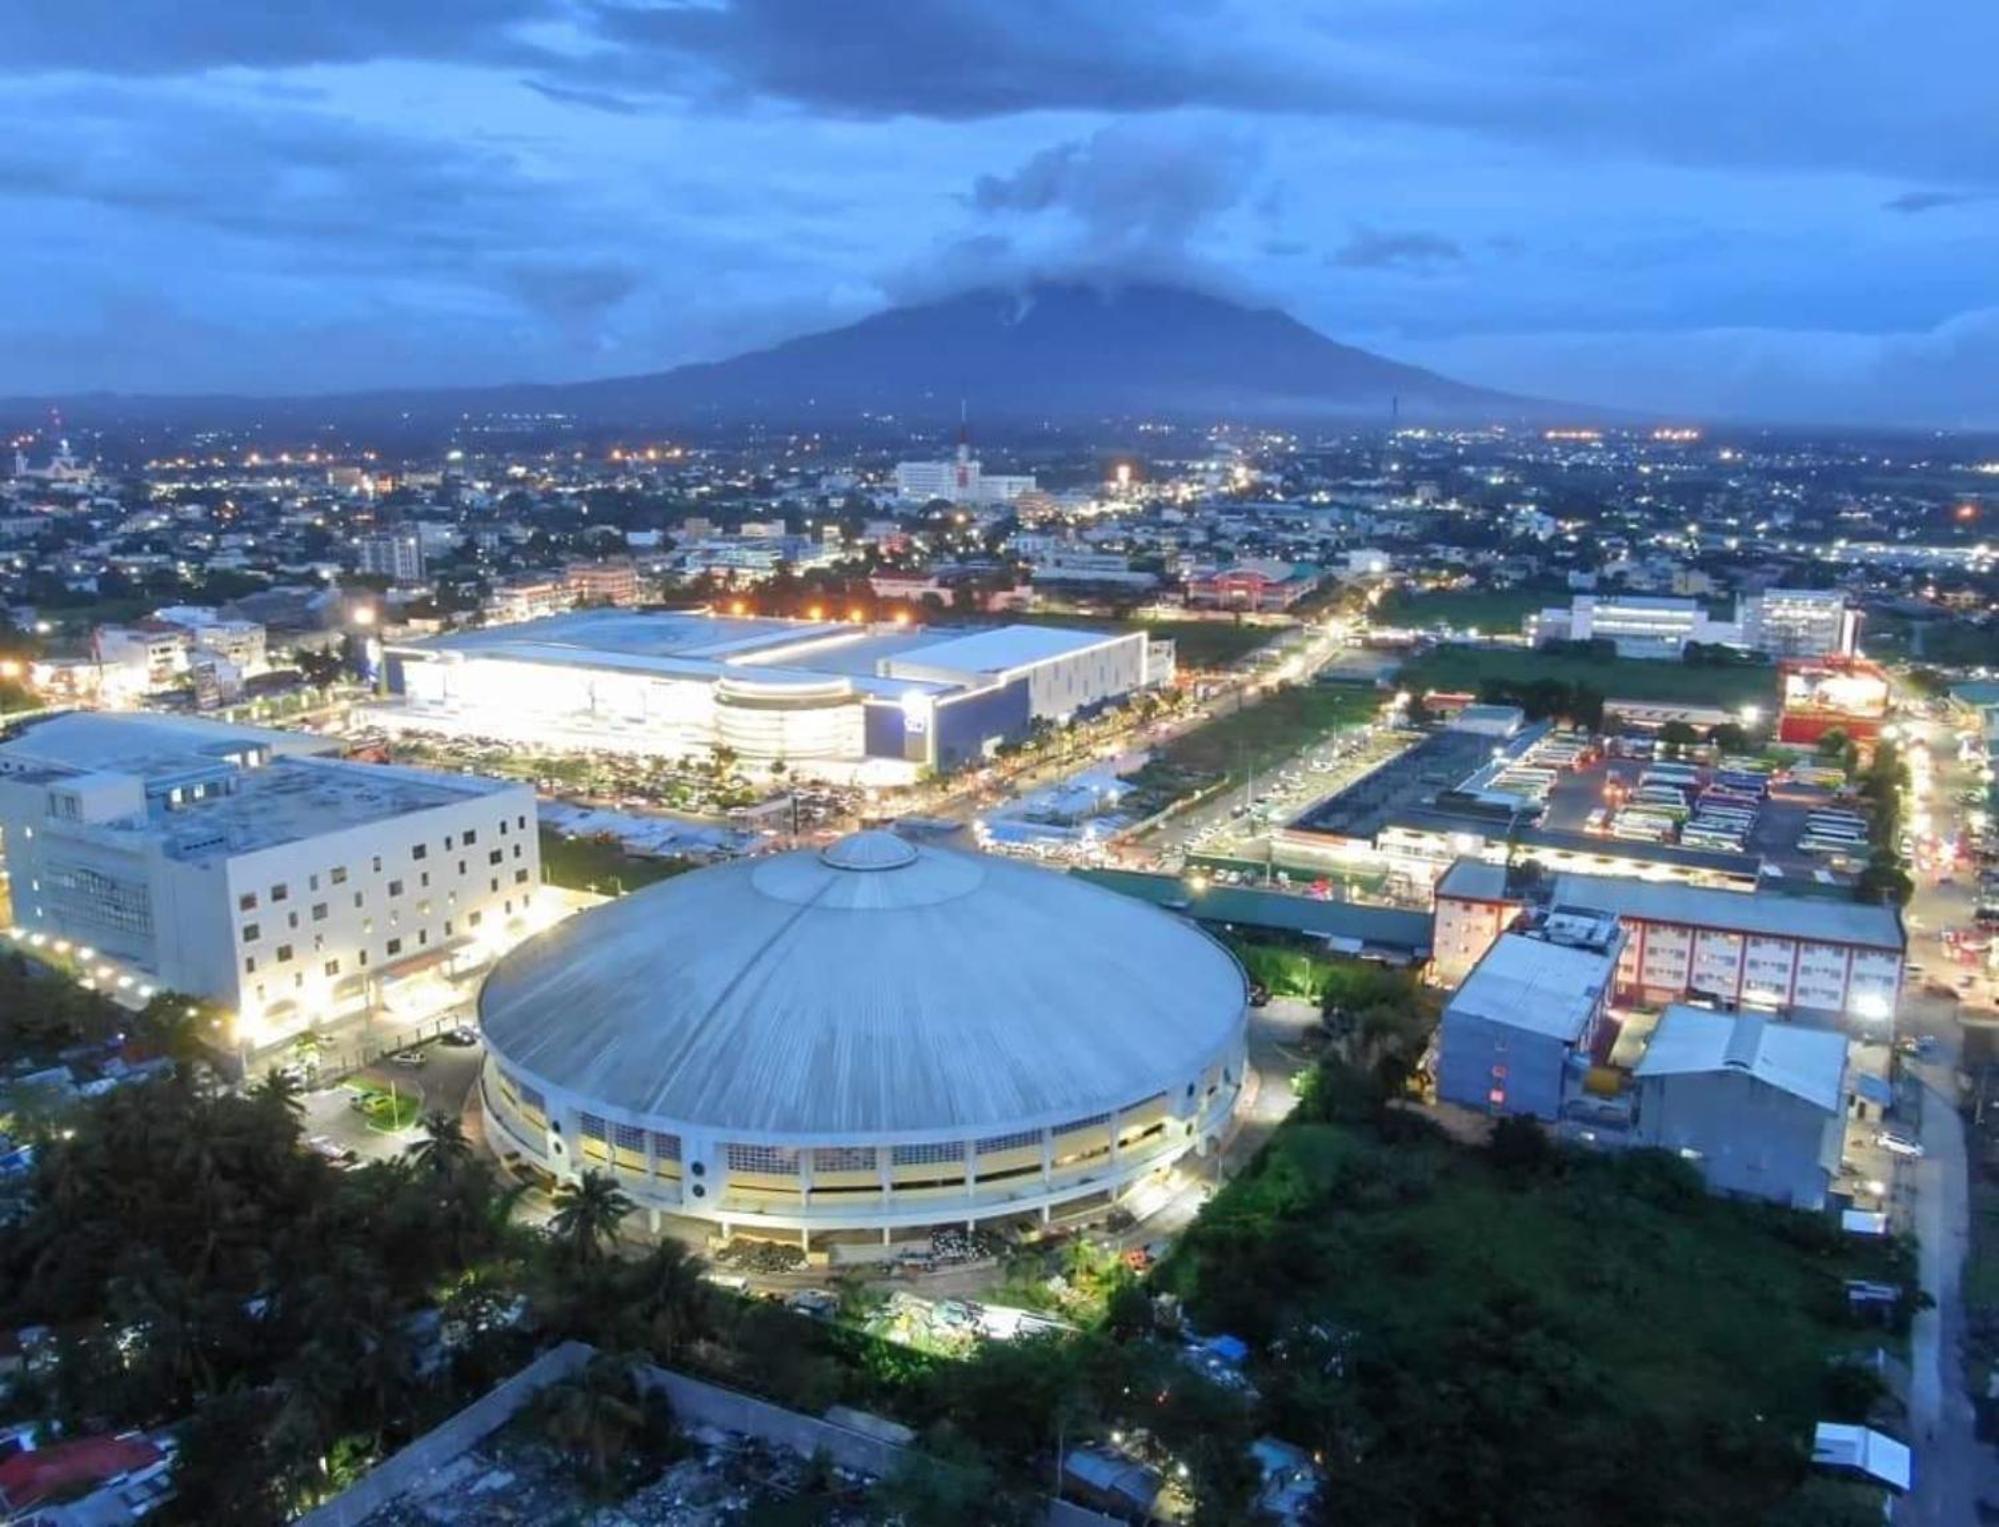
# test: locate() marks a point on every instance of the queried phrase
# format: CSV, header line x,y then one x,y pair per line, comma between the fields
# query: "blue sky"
x,y
1758,208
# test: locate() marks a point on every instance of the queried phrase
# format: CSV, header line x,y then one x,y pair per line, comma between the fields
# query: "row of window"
x,y
280,891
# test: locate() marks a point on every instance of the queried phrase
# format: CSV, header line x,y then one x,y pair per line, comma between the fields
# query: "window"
x,y
280,891
844,1158
629,1137
471,836
495,857
333,967
520,877
339,875
247,902
420,851
770,1160
1095,1119
591,1125
252,932
423,880
378,864
395,888
284,953
249,964
474,919
392,948
666,1147
319,911
1014,1142
936,1153
521,823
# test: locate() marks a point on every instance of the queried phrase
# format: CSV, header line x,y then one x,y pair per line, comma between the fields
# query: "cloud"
x,y
1929,201
578,95
573,291
1409,249
168,37
1126,186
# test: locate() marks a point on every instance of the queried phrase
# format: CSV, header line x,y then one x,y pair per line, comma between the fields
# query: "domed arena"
x,y
873,1036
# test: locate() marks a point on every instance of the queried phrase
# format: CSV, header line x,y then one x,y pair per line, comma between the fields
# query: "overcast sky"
x,y
1753,207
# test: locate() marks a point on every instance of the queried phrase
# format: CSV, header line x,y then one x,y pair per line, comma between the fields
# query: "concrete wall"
x,y
437,1447
1754,1139
1469,1051
695,1403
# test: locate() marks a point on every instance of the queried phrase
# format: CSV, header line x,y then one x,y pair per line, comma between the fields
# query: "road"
x,y
1954,1471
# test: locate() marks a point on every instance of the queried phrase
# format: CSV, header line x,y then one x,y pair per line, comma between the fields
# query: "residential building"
x,y
1518,1034
250,868
1757,1104
614,580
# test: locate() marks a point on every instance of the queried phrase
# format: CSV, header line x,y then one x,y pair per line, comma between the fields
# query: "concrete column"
x,y
805,1240
1047,1158
971,1173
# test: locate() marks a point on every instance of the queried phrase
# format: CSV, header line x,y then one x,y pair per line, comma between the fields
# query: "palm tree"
x,y
587,1215
667,1297
443,1151
278,1091
595,1412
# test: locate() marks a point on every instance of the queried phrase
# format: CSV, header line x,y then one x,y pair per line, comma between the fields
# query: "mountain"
x,y
1055,352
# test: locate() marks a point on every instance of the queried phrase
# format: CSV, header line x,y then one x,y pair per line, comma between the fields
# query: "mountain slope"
x,y
1057,352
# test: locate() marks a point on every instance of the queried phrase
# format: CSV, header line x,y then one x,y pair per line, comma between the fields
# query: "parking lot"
x,y
438,1077
1780,822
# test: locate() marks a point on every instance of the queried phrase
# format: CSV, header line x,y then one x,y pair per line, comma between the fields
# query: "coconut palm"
x,y
587,1215
444,1150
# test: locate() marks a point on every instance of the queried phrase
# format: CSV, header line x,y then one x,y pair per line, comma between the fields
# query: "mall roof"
x,y
1691,1041
874,989
1006,647
1814,919
1531,984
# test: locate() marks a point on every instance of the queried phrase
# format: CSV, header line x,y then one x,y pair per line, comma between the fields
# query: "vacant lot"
x,y
1487,610
599,864
1466,668
1266,733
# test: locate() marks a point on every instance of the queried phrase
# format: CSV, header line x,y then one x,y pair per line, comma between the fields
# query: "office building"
x,y
961,480
870,1036
1800,623
251,868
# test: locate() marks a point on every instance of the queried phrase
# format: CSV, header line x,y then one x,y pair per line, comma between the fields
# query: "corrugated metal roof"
x,y
1811,918
794,997
1807,1063
1343,922
1531,984
1002,648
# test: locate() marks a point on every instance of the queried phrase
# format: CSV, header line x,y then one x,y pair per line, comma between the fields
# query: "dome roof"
x,y
869,989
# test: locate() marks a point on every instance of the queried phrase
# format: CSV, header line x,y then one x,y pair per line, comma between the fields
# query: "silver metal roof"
x,y
874,989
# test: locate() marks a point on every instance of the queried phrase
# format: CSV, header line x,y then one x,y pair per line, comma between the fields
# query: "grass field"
x,y
1465,668
1491,611
1270,731
584,864
387,1110
1598,1338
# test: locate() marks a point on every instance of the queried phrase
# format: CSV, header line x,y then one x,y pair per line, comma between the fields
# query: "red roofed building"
x,y
68,1471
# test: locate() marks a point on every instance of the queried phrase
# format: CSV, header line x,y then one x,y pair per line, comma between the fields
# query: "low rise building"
x,y
1518,1034
1758,1105
1756,949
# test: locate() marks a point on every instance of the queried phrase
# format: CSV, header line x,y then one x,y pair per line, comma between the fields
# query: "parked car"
x,y
460,1037
1899,1144
410,1060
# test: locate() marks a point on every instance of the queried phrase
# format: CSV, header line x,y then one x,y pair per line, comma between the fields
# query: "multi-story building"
x,y
1519,1033
614,580
1257,585
1641,626
241,643
1800,623
1742,949
961,480
393,554
240,865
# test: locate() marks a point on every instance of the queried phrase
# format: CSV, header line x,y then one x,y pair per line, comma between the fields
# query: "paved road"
x,y
1953,1469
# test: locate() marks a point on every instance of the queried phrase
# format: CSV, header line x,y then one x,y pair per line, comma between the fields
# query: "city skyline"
x,y
1721,212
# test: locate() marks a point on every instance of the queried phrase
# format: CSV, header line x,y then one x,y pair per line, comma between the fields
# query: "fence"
x,y
440,1445
694,1402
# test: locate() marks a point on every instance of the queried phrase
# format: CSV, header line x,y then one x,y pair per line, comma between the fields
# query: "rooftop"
x,y
146,744
1807,1063
871,989
1868,924
1528,983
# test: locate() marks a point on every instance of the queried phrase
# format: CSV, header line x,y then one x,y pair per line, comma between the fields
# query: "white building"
x,y
1517,1036
1759,1106
830,697
241,643
874,1035
1800,623
247,867
961,480
1747,949
1641,626
393,554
